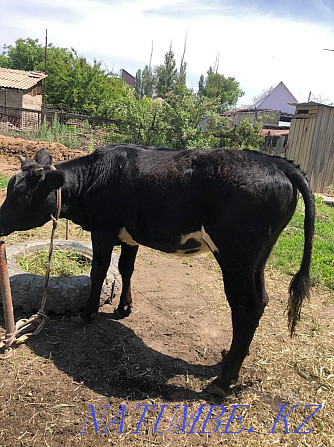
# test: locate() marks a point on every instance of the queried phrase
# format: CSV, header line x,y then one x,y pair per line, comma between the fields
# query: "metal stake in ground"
x,y
6,302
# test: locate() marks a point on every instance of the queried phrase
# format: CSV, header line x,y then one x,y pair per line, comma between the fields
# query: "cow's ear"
x,y
54,180
43,157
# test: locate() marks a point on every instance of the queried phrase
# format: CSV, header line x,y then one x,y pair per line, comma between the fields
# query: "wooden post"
x,y
6,295
45,65
66,230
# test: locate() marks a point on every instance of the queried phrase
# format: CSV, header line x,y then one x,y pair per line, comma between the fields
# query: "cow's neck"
x,y
77,174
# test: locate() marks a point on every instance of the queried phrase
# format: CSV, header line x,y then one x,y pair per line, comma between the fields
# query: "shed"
x,y
311,143
20,90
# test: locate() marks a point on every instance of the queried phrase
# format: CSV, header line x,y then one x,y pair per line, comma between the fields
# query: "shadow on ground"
x,y
111,360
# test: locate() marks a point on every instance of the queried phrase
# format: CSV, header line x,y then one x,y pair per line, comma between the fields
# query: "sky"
x,y
258,42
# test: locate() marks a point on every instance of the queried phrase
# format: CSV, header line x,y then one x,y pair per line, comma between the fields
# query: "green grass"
x,y
288,251
64,263
3,181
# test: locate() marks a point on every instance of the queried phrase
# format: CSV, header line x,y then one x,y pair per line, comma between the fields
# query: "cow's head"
x,y
31,197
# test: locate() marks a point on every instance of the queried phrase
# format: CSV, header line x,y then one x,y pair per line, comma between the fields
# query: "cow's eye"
x,y
19,186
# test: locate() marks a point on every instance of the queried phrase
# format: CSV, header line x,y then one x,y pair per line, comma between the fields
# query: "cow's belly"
x,y
188,245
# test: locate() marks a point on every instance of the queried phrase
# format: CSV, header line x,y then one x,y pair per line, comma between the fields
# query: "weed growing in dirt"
x,y
56,132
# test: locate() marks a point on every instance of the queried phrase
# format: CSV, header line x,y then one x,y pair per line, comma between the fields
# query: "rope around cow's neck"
x,y
26,327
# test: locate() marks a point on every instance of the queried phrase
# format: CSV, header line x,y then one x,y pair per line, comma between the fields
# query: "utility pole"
x,y
45,65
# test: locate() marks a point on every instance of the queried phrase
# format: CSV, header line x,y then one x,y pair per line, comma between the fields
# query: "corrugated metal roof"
x,y
312,103
18,79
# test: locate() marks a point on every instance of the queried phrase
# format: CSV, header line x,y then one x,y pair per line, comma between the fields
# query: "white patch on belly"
x,y
204,240
209,242
202,237
126,237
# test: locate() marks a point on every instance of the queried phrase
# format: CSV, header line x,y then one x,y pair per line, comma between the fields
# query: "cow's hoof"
x,y
122,313
82,318
215,389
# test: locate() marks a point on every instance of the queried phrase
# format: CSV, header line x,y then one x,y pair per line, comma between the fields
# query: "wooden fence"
x,y
29,119
311,143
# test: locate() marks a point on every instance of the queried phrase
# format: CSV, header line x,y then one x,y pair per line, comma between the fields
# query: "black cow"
x,y
232,203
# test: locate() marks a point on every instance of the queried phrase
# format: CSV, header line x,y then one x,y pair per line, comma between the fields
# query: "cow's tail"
x,y
300,283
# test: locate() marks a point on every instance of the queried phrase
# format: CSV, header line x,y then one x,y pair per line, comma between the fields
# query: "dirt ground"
x,y
91,386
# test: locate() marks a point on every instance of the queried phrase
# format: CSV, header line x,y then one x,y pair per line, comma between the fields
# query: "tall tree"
x,y
72,81
201,84
139,84
218,86
182,75
144,84
148,82
24,55
166,75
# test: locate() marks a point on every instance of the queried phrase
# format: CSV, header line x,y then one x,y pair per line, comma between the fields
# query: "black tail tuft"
x,y
298,291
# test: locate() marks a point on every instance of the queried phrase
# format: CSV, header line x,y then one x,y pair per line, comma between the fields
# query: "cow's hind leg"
x,y
126,266
259,280
247,305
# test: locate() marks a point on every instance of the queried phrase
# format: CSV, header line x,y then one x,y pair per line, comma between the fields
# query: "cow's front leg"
x,y
103,244
126,266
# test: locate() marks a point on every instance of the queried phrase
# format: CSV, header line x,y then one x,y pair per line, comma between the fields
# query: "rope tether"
x,y
26,327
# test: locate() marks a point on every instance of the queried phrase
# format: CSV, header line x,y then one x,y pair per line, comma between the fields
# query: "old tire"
x,y
62,293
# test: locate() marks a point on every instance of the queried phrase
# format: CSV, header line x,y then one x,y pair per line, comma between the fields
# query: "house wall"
x,y
128,78
31,102
279,99
11,98
311,144
32,99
